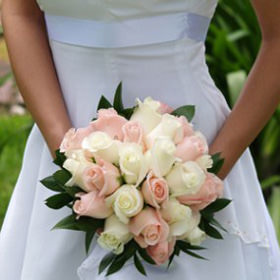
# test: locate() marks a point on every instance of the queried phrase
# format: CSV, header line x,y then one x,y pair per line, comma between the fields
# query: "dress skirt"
x,y
174,72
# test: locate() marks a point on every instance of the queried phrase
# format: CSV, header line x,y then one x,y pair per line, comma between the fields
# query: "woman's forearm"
x,y
256,104
34,72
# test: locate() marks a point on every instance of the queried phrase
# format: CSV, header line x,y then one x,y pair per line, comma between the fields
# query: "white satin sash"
x,y
129,32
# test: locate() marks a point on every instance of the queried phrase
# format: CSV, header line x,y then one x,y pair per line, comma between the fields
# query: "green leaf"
x,y
195,255
127,113
139,265
188,111
62,176
217,224
143,253
185,247
217,163
217,205
194,247
82,224
106,260
60,158
207,215
211,231
171,259
118,104
177,250
88,239
58,201
50,183
72,190
121,259
104,103
116,265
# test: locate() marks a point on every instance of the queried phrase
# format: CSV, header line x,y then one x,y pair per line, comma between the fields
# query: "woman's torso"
x,y
173,71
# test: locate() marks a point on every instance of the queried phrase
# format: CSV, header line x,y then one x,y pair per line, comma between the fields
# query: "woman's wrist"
x,y
55,135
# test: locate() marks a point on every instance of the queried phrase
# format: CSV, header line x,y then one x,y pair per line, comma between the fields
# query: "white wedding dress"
x,y
156,48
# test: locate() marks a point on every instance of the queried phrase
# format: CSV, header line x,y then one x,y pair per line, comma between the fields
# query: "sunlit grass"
x,y
13,135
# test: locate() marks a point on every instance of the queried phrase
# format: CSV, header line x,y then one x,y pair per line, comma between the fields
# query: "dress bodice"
x,y
120,9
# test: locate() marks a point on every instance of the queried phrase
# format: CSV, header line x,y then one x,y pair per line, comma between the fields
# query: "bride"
x,y
65,54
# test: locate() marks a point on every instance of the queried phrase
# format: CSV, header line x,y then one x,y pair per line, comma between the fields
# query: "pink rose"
x,y
73,138
155,190
187,126
211,189
148,227
103,177
133,132
161,252
192,147
164,108
92,205
110,122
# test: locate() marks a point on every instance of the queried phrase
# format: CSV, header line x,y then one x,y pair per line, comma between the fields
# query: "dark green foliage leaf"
x,y
104,103
85,224
118,104
143,253
72,190
176,252
127,113
58,201
116,265
217,224
217,205
59,158
121,259
185,247
62,176
195,255
88,239
188,111
107,259
193,247
217,163
139,265
211,231
171,259
50,183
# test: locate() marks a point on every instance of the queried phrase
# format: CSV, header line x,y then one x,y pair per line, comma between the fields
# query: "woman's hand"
x,y
33,67
260,95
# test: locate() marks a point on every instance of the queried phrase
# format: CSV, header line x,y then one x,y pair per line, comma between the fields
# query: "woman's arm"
x,y
34,71
260,95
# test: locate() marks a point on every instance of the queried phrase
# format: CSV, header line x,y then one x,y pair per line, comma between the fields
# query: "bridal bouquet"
x,y
140,178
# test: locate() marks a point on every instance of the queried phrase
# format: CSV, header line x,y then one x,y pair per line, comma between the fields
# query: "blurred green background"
x,y
232,45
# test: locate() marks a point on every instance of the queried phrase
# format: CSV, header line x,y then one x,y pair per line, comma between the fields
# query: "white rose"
x,y
127,202
170,127
205,162
77,154
115,235
183,228
146,113
178,216
134,164
101,144
185,178
162,156
195,237
173,211
76,168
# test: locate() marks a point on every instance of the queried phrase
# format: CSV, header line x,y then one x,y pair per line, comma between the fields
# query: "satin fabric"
x,y
128,32
176,73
